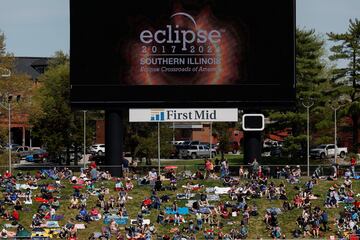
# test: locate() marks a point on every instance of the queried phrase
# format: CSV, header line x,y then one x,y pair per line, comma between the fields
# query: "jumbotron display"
x,y
205,53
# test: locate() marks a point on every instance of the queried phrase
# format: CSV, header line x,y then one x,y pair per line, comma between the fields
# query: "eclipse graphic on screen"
x,y
186,49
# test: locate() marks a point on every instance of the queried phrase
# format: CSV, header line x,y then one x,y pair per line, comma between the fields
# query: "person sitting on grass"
x,y
177,219
243,230
83,215
74,203
348,183
173,183
158,184
276,232
95,215
160,217
118,185
334,175
254,210
129,185
287,206
113,227
331,198
298,201
55,204
203,201
224,213
145,209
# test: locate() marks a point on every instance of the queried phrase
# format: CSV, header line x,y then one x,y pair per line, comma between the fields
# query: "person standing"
x,y
125,167
353,163
255,167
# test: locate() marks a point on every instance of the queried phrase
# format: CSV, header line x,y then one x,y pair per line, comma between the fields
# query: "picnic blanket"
x,y
190,203
80,226
182,196
51,224
119,220
205,210
97,235
25,186
50,173
274,210
210,190
222,190
145,221
213,197
180,210
218,190
57,217
9,225
347,200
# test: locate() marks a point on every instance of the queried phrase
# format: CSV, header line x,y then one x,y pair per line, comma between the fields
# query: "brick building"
x,y
33,67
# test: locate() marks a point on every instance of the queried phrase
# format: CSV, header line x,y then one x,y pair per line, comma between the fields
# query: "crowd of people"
x,y
205,213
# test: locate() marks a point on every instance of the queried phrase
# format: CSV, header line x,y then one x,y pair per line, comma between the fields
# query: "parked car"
x,y
12,146
196,151
21,152
328,150
97,149
38,155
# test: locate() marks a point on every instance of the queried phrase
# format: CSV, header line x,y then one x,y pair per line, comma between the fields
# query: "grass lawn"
x,y
256,226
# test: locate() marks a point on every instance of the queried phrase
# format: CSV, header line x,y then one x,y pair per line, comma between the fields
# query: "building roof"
x,y
32,66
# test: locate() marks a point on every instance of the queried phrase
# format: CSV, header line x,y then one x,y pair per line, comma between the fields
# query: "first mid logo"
x,y
157,115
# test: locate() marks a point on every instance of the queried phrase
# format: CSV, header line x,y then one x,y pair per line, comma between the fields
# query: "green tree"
x,y
143,140
55,124
346,78
223,134
311,76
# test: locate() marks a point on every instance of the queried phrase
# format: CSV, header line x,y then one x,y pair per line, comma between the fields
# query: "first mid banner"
x,y
183,115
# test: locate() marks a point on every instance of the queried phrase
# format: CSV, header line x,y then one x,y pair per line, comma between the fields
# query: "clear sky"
x,y
41,27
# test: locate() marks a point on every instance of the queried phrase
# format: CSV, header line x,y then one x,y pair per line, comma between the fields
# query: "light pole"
x,y
84,139
335,107
158,135
7,106
308,104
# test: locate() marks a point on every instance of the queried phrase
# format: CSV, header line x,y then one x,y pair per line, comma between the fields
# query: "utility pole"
x,y
308,104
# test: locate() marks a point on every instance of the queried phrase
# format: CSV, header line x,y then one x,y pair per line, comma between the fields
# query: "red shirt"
x,y
353,161
93,165
16,215
7,175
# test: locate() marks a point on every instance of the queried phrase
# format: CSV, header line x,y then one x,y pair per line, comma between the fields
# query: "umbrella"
x,y
170,167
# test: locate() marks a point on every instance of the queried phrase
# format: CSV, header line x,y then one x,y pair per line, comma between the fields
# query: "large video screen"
x,y
174,53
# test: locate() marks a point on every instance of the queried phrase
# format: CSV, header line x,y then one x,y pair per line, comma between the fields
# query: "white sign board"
x,y
184,115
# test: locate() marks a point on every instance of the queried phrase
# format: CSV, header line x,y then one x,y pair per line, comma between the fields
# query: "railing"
x,y
325,169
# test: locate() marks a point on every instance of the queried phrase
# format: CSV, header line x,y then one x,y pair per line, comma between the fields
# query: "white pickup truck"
x,y
196,151
327,150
